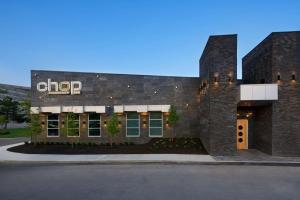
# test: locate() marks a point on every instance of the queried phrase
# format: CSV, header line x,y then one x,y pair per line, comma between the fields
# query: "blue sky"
x,y
163,37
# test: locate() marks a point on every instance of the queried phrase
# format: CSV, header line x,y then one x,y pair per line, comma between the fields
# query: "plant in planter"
x,y
173,120
113,127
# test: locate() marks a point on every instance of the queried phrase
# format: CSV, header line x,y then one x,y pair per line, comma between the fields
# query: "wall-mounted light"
x,y
83,124
111,97
104,123
293,77
230,77
155,92
187,106
120,123
167,123
176,87
278,77
43,124
128,86
63,124
144,123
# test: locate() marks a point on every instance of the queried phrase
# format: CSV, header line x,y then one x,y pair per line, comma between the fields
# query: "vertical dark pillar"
x,y
219,104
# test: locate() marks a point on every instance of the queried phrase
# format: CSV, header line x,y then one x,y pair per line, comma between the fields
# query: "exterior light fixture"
x,y
111,97
43,124
278,77
187,105
176,87
128,86
215,79
167,123
120,123
144,123
155,92
104,123
293,77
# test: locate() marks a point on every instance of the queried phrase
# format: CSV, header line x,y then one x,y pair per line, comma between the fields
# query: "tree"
x,y
71,127
25,109
113,127
9,109
3,120
35,127
173,119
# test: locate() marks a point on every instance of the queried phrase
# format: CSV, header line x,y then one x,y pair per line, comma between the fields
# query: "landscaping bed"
x,y
155,146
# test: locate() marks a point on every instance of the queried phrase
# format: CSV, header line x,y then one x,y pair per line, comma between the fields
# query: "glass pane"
x,y
94,124
94,116
155,123
52,132
156,131
132,123
132,131
132,115
52,124
94,132
155,115
73,132
73,116
52,116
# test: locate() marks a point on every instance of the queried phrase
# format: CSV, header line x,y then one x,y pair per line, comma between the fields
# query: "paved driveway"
x,y
7,141
142,182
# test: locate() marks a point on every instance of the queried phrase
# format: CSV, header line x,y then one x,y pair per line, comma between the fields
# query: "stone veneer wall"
x,y
278,54
218,104
97,88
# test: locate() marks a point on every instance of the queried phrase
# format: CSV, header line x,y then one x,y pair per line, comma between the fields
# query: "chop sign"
x,y
64,87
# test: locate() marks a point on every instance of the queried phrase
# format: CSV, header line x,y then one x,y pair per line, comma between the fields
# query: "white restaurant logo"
x,y
64,87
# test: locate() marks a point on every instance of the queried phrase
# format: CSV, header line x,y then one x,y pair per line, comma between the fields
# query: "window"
x,y
53,125
94,125
155,124
73,122
132,124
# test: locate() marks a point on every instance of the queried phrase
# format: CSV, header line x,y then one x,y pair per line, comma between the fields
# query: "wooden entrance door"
x,y
242,134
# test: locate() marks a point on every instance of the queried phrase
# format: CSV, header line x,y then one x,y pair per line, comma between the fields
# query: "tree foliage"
x,y
11,110
113,127
173,119
35,127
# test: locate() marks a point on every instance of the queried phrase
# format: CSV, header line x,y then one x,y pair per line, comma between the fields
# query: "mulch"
x,y
155,146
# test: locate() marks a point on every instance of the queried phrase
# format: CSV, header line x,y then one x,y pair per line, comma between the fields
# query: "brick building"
x,y
261,111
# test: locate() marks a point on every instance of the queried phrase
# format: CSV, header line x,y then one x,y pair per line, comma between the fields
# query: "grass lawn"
x,y
16,132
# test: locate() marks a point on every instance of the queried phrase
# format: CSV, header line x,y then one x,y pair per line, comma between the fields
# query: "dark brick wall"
x,y
262,129
218,104
182,92
286,111
278,54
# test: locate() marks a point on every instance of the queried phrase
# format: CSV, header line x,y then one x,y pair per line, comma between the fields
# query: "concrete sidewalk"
x,y
7,156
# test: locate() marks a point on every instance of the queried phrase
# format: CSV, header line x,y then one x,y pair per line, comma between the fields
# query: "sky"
x,y
155,37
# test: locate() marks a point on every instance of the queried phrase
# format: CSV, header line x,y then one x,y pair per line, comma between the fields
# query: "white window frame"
x,y
134,127
53,128
162,126
73,128
88,124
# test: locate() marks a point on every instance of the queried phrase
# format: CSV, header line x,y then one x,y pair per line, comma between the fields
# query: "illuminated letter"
x,y
42,87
